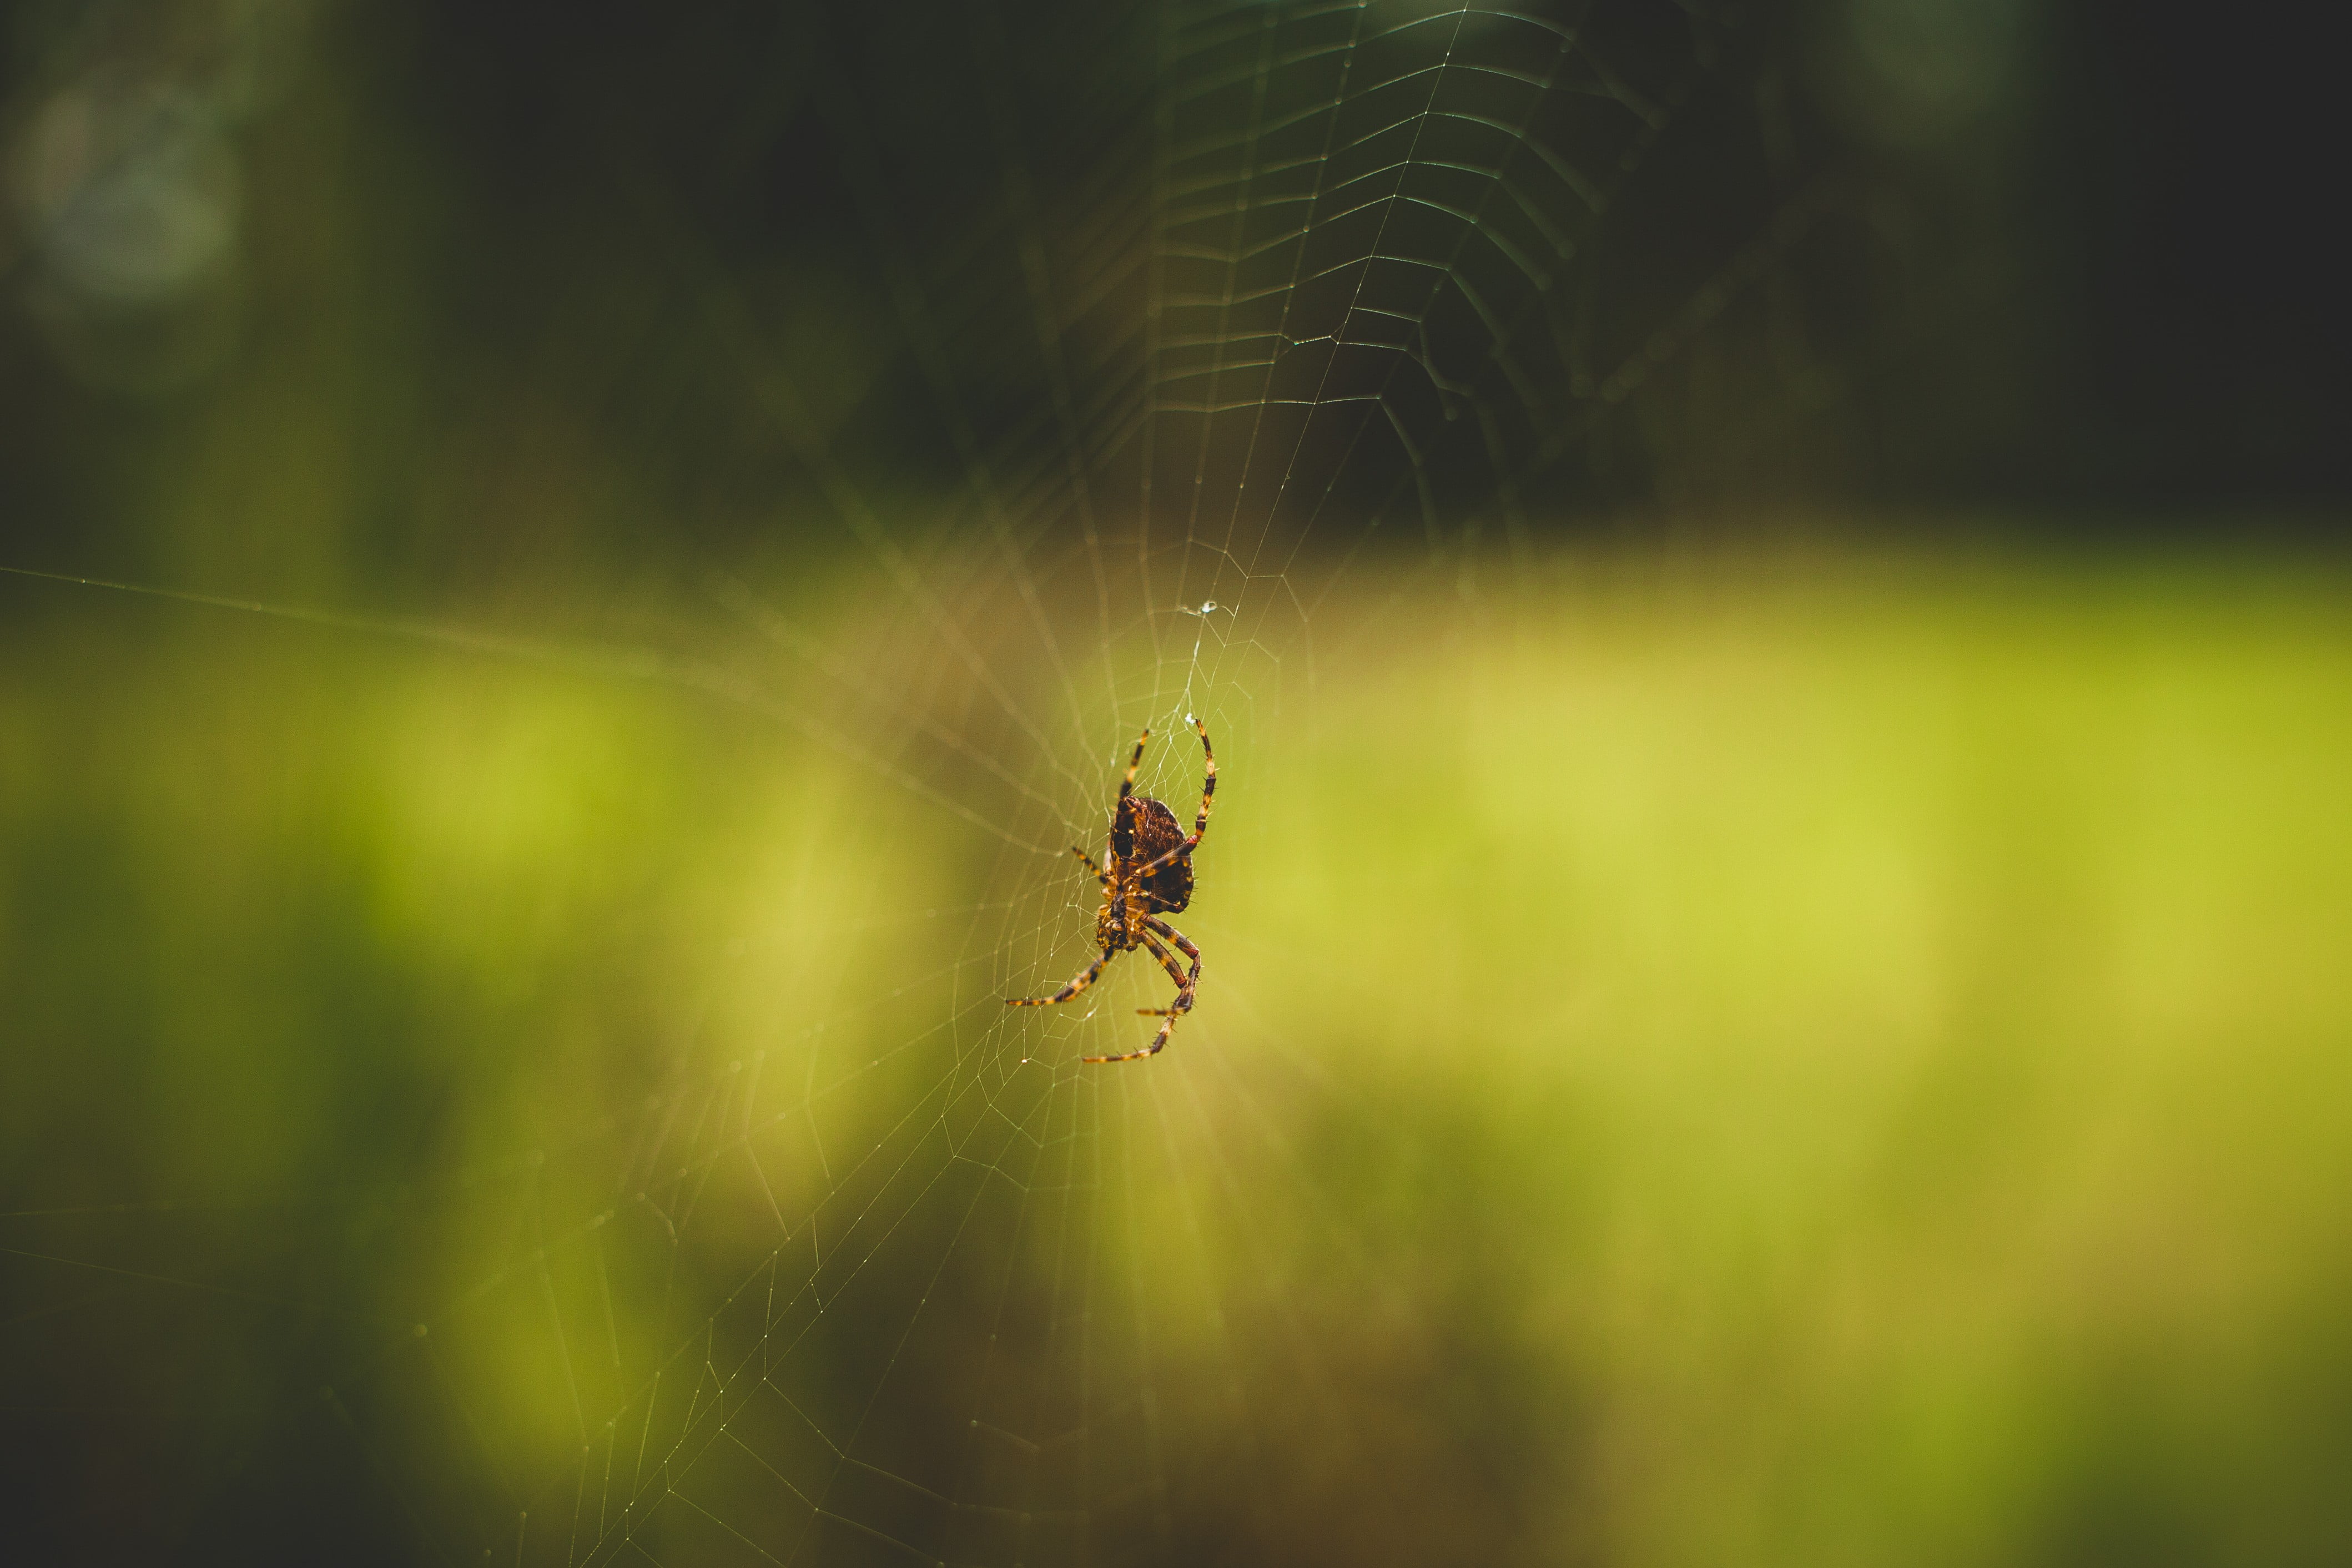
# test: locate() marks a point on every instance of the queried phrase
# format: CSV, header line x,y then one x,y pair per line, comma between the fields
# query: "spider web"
x,y
864,1266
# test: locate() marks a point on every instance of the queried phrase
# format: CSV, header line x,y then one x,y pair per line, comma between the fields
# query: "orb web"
x,y
851,1262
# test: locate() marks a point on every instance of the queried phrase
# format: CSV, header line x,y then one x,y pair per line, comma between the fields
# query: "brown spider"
x,y
1151,874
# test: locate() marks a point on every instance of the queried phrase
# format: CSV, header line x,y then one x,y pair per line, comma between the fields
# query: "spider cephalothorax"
x,y
1150,874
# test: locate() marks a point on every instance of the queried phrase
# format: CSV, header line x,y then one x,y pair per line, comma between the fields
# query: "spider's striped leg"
x,y
1208,780
1089,863
1158,1041
1185,985
1127,785
1066,992
1201,822
1179,941
1178,853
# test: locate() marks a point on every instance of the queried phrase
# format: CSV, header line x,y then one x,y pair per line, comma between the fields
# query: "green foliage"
x,y
1696,1067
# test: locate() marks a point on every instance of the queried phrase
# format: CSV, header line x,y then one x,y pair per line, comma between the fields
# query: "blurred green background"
x,y
1774,986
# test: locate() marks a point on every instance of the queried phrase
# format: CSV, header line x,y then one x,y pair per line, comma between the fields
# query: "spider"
x,y
1151,874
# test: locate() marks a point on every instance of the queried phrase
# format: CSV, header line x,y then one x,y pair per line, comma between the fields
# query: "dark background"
x,y
2188,147
2111,309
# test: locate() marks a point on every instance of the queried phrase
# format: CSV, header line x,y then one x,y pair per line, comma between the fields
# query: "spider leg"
x,y
1178,853
1208,780
1090,861
1127,785
1066,992
1200,823
1185,985
1177,940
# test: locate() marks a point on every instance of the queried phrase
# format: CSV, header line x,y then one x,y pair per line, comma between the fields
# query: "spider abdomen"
x,y
1143,830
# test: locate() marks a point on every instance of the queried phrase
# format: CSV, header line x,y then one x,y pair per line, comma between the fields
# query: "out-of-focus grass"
x,y
1697,1066
339,978
1852,1064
